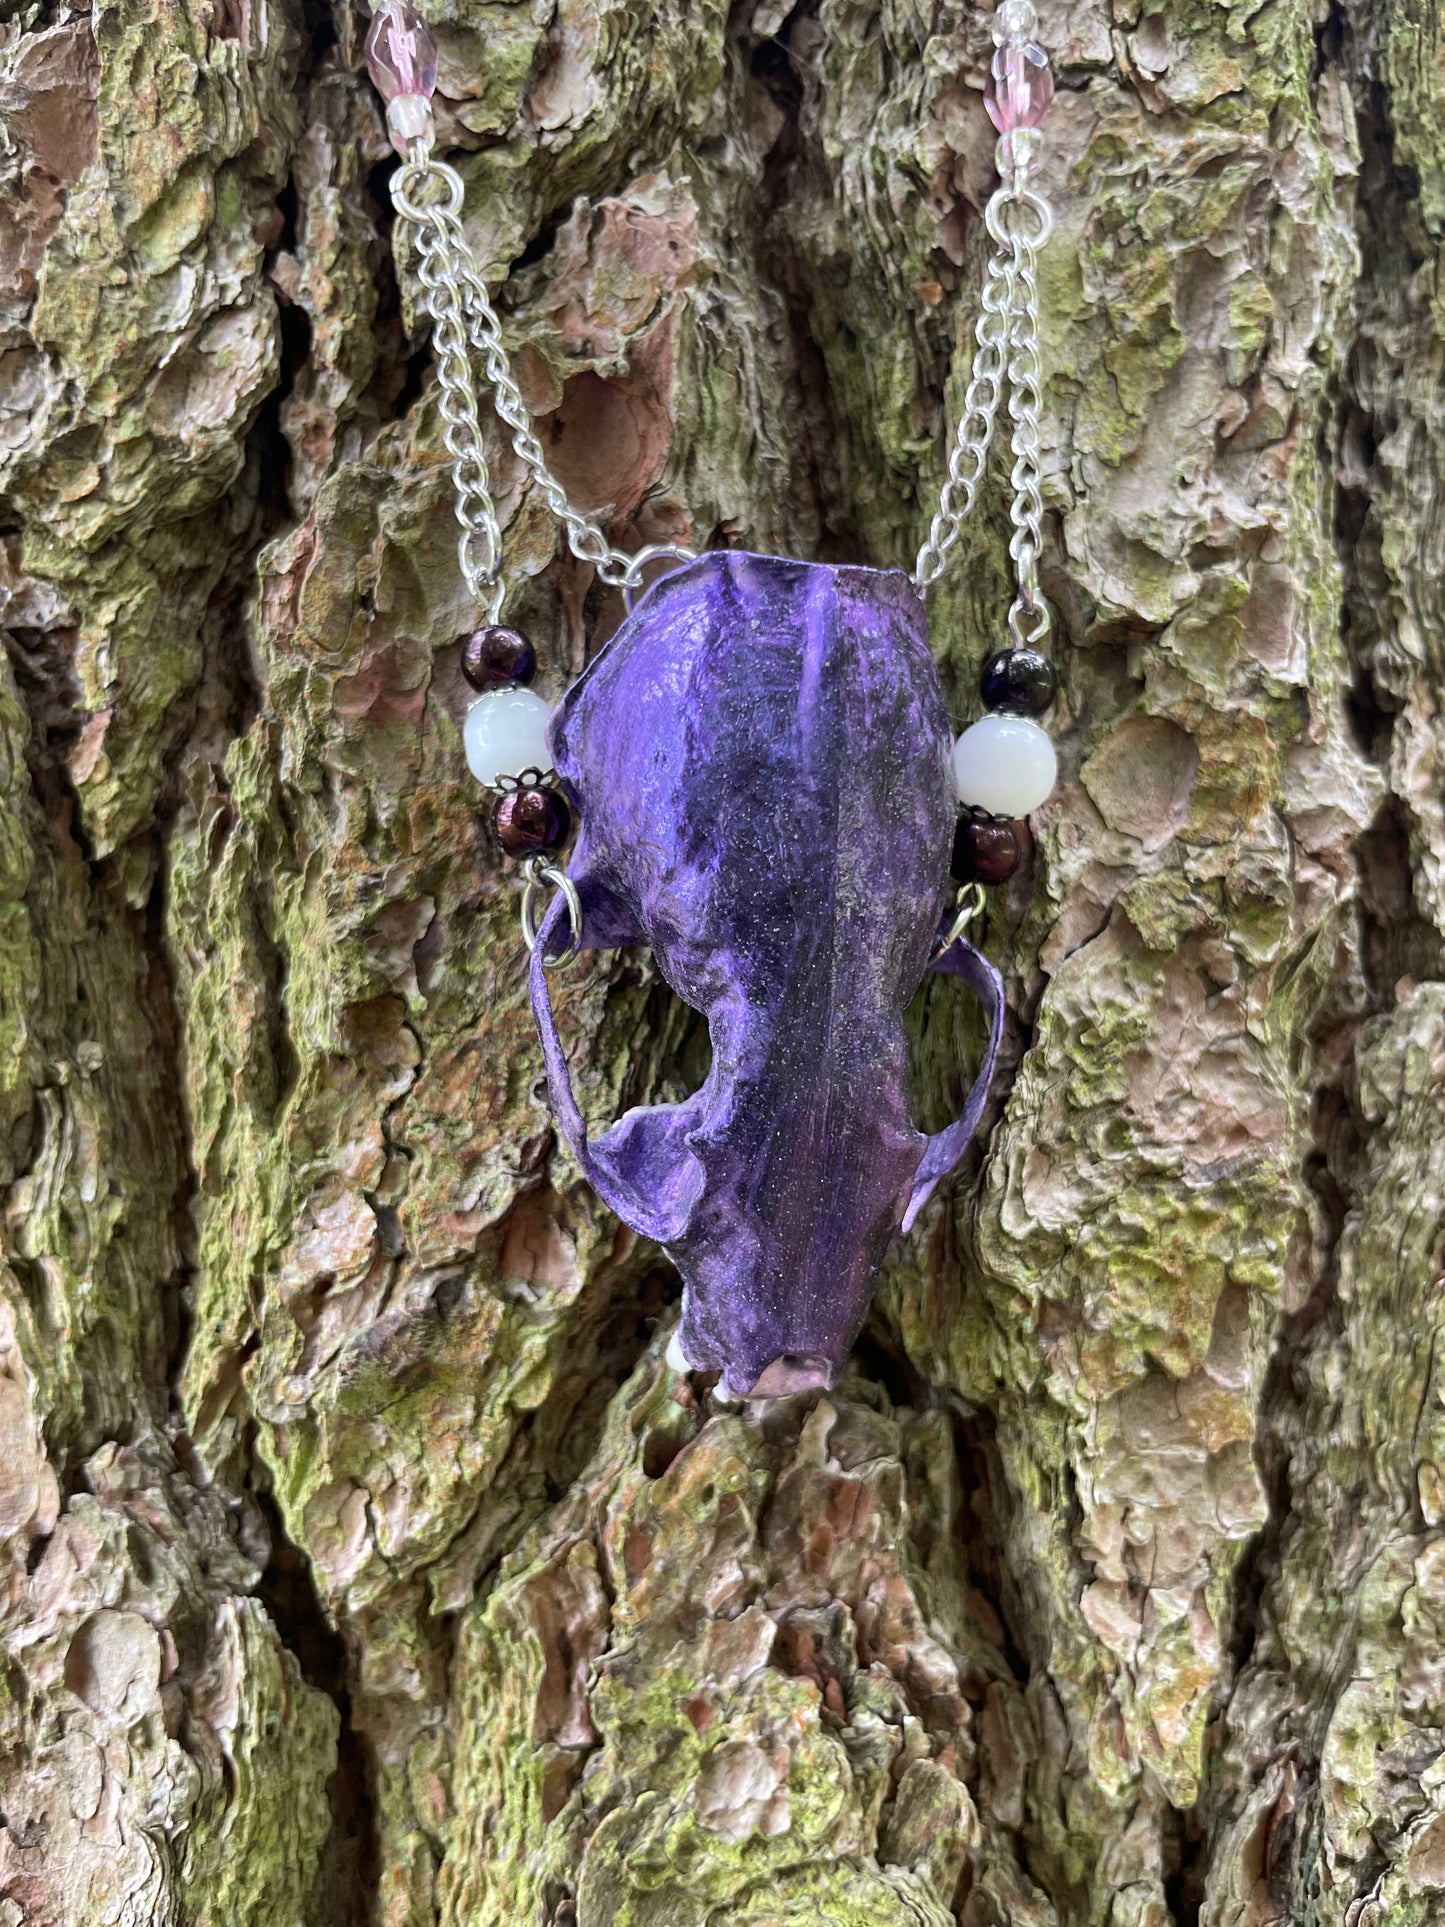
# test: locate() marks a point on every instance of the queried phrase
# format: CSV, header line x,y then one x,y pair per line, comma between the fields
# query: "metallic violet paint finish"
x,y
762,758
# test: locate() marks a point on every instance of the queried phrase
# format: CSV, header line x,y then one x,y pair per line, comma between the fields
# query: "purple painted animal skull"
x,y
761,755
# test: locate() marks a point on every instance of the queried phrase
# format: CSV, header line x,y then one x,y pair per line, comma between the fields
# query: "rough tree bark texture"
x,y
367,1564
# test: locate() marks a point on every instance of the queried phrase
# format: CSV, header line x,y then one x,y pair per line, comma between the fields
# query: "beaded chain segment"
x,y
1004,764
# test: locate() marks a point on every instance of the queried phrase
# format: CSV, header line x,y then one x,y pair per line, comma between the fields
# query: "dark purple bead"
x,y
985,850
1018,679
496,657
528,822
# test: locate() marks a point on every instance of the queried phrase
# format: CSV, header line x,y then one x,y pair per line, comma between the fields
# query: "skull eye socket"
x,y
947,1036
691,1043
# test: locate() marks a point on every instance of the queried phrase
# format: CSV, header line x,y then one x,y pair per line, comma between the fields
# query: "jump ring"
x,y
632,580
412,175
971,901
547,873
1004,209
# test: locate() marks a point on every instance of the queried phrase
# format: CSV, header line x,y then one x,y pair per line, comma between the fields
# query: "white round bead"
x,y
1005,765
505,733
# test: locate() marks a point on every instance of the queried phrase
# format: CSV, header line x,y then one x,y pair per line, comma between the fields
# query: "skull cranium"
x,y
761,754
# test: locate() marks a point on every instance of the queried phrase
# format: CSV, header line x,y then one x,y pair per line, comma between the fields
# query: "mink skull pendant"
x,y
761,757
767,790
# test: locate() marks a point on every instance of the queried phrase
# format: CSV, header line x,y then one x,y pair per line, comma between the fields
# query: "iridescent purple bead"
x,y
528,822
401,55
498,657
1021,680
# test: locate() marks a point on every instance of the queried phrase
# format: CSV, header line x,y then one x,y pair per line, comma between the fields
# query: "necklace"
x,y
766,792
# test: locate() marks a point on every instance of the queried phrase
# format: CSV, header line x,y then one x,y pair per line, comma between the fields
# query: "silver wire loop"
x,y
632,582
970,904
1023,634
442,184
1003,215
540,876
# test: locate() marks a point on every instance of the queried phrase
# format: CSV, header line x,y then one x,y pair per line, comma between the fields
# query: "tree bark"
x,y
367,1562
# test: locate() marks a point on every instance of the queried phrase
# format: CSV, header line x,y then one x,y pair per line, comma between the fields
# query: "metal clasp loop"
x,y
540,876
436,179
1022,633
632,580
971,901
1002,218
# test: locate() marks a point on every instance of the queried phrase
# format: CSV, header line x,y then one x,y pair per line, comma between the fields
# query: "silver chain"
x,y
1019,222
1024,221
427,195
479,548
980,410
584,536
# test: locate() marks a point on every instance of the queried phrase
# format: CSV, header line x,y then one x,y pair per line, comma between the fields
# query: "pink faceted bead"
x,y
401,55
1020,86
